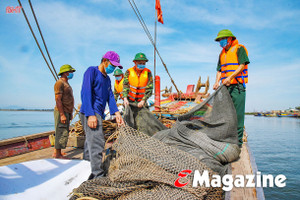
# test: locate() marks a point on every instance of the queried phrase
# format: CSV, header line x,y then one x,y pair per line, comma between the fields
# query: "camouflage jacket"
x,y
149,87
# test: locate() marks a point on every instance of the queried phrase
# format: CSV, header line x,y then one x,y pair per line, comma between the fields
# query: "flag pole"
x,y
155,31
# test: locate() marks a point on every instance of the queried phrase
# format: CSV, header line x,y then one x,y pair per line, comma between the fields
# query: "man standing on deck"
x,y
138,85
63,110
232,70
118,90
96,91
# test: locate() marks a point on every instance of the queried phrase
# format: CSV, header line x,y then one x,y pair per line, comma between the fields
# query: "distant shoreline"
x,y
37,110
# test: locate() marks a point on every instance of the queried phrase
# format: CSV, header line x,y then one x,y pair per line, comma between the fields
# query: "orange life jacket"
x,y
137,84
229,63
119,87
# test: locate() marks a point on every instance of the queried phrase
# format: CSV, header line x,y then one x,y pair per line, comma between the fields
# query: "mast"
x,y
155,32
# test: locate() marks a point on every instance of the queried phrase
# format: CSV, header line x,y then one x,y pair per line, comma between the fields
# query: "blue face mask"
x,y
118,78
141,66
109,69
223,43
70,76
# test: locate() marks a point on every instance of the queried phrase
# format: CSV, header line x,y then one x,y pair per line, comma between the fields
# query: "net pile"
x,y
142,120
146,167
208,132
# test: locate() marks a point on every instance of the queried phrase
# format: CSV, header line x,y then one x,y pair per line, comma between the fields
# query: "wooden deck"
x,y
71,153
242,167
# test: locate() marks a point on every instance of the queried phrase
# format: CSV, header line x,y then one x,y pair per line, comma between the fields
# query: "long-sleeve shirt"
x,y
96,91
148,89
116,94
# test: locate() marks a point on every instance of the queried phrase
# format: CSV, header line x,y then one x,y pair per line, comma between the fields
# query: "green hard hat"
x,y
140,56
66,68
224,33
118,72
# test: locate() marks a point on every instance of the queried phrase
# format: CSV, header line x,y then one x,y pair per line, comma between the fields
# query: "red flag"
x,y
159,11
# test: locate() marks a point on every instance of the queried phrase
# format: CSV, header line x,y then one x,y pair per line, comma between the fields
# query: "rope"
x,y
26,142
141,20
36,21
53,73
36,39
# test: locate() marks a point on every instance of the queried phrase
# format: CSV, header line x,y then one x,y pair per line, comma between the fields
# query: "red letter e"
x,y
182,174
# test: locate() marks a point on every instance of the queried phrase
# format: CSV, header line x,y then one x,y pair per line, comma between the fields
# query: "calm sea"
x,y
275,143
19,123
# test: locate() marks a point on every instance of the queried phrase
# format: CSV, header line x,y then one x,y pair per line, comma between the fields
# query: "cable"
x,y
141,20
36,21
36,39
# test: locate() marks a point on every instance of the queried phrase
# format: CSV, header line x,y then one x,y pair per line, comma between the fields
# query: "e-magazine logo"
x,y
228,181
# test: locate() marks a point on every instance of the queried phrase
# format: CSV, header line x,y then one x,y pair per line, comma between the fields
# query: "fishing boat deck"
x,y
245,165
71,153
242,167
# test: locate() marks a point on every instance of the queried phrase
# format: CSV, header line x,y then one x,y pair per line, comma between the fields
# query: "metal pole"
x,y
155,31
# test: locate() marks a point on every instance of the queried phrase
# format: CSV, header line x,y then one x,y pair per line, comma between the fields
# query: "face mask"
x,y
118,78
109,69
223,43
70,76
141,66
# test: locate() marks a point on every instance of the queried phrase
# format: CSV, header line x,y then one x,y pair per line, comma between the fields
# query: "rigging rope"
x,y
55,77
141,20
36,21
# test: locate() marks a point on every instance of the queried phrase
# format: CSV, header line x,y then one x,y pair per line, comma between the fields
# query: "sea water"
x,y
20,123
274,142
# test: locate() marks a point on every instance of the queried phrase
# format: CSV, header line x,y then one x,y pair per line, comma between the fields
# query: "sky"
x,y
80,32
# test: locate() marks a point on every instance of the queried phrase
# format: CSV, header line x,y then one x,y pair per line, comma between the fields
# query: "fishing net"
x,y
142,120
146,167
208,132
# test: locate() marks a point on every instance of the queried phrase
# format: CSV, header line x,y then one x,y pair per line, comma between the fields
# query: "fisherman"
x,y
138,85
96,91
63,110
232,70
118,90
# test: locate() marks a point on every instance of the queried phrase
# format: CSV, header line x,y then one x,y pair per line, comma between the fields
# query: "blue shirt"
x,y
95,92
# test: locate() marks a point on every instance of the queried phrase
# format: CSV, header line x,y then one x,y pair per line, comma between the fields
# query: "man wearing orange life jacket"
x,y
118,90
138,84
232,70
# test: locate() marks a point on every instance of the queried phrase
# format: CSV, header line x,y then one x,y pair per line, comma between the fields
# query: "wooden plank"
x,y
259,190
242,167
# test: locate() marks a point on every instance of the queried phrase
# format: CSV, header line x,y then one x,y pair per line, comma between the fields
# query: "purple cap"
x,y
114,58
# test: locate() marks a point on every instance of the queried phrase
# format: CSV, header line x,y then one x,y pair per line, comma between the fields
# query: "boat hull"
x,y
24,144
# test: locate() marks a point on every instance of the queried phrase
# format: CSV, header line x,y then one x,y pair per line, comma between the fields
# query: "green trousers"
x,y
61,130
238,96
